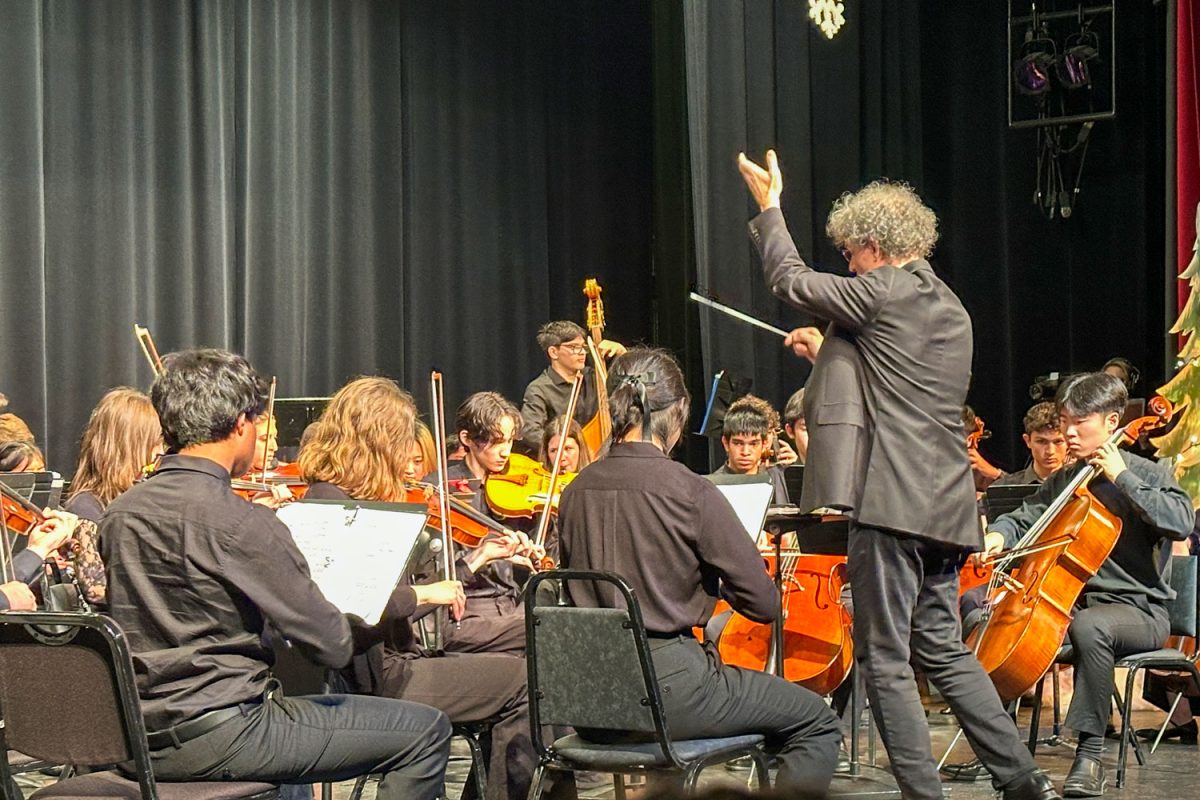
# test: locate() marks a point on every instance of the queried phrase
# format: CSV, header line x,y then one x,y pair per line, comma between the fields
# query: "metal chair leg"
x,y
478,767
761,768
360,784
1036,720
619,786
535,786
690,776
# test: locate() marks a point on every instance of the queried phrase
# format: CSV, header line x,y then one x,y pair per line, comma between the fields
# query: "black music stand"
x,y
292,416
1001,500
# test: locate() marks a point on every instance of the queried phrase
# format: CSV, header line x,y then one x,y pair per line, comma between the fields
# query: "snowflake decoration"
x,y
828,15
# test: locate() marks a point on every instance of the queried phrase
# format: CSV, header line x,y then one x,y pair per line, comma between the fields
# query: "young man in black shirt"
x,y
745,436
486,425
547,395
1122,609
194,575
676,540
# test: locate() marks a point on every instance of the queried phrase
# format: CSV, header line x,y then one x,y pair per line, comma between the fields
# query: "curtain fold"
x,y
838,112
331,187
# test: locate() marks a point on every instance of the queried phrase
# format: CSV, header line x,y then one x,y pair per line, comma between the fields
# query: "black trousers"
x,y
473,688
321,738
704,698
1101,633
490,625
906,605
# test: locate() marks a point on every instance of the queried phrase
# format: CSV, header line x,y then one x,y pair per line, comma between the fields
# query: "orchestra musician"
x,y
574,452
21,456
122,437
547,395
486,425
745,435
1121,609
195,573
358,451
795,426
1047,446
673,537
914,519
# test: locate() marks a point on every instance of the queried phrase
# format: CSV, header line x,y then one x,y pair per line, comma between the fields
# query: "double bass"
x,y
598,429
1030,610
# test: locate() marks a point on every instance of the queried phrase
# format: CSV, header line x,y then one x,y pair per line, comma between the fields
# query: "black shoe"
x,y
1035,785
1186,733
967,772
1086,778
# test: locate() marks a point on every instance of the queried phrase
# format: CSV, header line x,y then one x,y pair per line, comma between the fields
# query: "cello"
x,y
817,644
598,429
1029,613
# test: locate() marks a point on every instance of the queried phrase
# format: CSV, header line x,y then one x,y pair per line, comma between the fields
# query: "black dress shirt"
x,y
669,532
1026,476
546,397
194,573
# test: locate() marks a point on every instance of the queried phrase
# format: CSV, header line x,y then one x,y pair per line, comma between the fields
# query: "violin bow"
x,y
262,474
146,341
437,404
556,470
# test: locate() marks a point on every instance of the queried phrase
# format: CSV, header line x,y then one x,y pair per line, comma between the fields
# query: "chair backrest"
x,y
1183,610
68,694
591,667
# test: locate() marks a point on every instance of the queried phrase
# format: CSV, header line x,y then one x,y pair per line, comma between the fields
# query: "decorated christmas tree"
x,y
1182,443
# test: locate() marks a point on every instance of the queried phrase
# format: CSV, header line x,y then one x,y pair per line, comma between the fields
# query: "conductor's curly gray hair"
x,y
889,214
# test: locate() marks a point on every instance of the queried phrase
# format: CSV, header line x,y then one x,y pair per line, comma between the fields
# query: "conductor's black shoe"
x,y
1086,778
1034,785
1186,734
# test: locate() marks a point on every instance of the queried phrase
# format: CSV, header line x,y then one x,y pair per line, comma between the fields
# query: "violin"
x,y
20,515
467,526
282,475
1029,611
523,488
598,429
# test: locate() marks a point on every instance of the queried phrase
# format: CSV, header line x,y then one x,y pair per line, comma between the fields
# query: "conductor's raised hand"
x,y
765,184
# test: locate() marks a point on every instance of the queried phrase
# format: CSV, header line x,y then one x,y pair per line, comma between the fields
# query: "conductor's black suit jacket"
x,y
906,453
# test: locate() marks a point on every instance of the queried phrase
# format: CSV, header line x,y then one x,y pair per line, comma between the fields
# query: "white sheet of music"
x,y
750,502
355,553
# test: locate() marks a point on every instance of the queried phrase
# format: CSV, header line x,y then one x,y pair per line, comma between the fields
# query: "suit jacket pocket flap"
x,y
840,414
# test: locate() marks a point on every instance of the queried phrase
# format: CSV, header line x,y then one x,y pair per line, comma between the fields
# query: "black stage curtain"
x,y
332,188
1045,295
838,112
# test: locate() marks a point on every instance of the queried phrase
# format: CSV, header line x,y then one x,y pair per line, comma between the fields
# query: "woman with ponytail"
x,y
672,535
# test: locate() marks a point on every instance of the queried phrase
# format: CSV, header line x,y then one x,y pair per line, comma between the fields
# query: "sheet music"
x,y
355,552
749,501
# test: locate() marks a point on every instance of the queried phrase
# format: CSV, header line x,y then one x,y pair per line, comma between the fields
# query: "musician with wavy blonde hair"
x,y
361,449
362,442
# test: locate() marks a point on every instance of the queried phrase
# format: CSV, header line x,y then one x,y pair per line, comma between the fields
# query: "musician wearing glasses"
x,y
913,520
1121,609
547,395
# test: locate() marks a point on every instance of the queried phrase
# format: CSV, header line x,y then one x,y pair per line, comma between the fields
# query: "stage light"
x,y
828,15
1031,70
1071,67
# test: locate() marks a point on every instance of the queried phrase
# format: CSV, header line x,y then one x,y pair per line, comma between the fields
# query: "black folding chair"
x,y
590,668
1184,613
68,696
